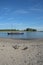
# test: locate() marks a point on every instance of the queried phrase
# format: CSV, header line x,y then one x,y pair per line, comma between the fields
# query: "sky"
x,y
21,14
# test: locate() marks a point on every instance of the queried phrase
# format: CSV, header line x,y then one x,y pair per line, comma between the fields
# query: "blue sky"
x,y
21,14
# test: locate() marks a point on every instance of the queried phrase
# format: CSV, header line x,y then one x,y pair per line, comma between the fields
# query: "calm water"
x,y
26,35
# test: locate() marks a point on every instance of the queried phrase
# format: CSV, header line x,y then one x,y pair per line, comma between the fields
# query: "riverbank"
x,y
21,52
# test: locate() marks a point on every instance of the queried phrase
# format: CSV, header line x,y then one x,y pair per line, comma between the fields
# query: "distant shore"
x,y
16,31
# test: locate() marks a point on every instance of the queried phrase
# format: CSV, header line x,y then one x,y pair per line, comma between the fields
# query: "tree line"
x,y
30,29
27,29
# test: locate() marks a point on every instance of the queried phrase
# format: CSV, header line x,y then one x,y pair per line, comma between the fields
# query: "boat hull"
x,y
15,33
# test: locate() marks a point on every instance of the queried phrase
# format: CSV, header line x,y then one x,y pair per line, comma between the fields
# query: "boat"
x,y
14,33
18,33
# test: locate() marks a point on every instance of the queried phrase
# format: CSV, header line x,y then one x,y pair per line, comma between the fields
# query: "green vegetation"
x,y
30,29
9,30
16,30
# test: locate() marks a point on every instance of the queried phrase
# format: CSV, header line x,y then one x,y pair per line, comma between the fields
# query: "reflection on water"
x,y
26,35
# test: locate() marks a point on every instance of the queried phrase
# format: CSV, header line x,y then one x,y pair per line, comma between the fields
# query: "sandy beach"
x,y
21,52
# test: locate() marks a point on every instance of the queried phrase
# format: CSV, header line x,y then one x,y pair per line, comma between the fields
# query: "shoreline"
x,y
21,38
11,40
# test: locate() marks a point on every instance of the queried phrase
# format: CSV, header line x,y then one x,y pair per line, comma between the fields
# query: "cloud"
x,y
36,7
10,12
11,18
4,24
4,12
21,11
39,18
11,24
6,9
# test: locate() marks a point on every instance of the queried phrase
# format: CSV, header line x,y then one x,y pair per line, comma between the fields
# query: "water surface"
x,y
26,35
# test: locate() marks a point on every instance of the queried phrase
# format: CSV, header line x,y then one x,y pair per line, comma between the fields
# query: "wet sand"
x,y
21,52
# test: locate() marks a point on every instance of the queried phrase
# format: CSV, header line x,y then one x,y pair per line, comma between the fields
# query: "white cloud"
x,y
21,11
40,18
6,9
11,24
4,24
36,7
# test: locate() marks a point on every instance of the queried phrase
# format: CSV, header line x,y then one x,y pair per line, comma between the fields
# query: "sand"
x,y
21,52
